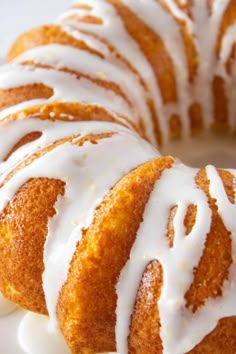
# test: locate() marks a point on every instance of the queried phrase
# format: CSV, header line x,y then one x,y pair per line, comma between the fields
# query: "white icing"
x,y
82,168
6,306
203,29
175,48
85,190
20,107
180,330
151,243
92,42
37,336
114,32
228,42
66,87
61,56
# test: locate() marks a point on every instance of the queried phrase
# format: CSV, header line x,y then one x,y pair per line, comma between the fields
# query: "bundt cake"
x,y
125,249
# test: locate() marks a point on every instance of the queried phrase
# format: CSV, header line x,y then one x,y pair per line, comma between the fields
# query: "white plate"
x,y
17,16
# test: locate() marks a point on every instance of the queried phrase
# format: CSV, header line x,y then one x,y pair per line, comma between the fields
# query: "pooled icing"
x,y
6,306
37,336
126,66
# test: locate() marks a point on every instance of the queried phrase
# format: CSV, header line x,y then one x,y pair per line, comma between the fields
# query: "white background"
x,y
17,16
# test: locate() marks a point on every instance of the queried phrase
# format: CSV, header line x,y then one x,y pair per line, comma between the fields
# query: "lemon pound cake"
x,y
124,249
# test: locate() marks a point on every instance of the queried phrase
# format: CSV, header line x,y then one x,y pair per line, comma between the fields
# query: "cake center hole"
x,y
205,149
